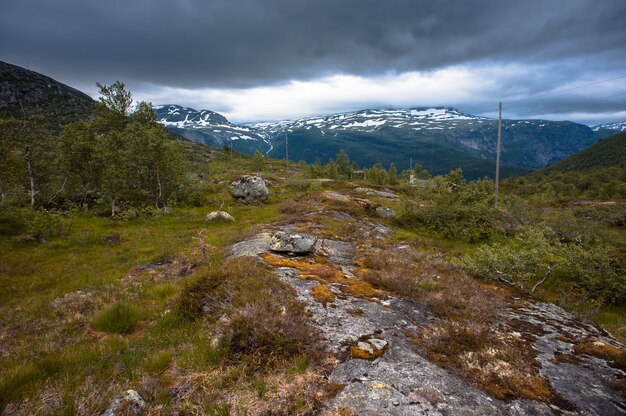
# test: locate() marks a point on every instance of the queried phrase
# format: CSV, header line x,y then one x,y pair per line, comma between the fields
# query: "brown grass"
x,y
502,366
253,311
616,357
426,278
467,337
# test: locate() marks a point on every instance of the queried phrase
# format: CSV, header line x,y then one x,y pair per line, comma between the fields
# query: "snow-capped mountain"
x,y
211,128
438,138
618,126
371,120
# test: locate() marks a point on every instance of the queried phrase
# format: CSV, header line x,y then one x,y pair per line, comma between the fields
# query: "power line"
x,y
521,100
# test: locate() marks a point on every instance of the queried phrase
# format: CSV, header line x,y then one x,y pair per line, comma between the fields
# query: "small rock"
x,y
373,192
365,347
292,243
249,189
336,196
219,216
128,403
113,238
384,212
379,344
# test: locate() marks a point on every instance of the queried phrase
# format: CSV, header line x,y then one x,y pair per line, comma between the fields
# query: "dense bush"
x,y
454,209
538,255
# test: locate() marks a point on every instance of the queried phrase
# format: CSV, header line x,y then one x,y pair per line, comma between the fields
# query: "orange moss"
x,y
615,356
326,274
323,294
560,357
357,352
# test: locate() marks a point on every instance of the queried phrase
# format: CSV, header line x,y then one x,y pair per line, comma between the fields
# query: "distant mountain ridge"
x,y
211,128
438,138
25,93
618,126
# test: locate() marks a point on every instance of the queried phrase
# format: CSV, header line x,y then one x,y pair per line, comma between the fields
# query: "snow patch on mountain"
x,y
618,126
371,120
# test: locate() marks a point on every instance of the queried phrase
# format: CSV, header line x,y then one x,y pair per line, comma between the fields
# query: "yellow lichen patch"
x,y
363,354
368,349
275,261
325,274
614,355
323,294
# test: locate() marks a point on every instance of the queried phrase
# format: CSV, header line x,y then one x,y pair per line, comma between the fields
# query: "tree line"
x,y
119,157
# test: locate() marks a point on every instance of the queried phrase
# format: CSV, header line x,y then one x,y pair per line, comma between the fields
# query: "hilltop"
x,y
609,152
25,93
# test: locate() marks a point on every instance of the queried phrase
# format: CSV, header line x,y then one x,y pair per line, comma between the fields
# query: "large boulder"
x,y
292,243
249,189
219,216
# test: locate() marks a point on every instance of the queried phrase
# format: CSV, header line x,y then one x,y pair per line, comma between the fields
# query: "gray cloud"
x,y
247,43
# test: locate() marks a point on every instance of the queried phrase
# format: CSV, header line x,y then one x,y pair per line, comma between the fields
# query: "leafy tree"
x,y
377,175
27,148
78,159
115,97
257,161
144,113
129,160
393,174
332,170
343,164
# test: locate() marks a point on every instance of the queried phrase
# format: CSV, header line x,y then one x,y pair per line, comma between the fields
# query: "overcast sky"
x,y
259,60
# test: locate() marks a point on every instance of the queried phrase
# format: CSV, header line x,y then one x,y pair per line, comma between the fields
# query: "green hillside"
x,y
610,152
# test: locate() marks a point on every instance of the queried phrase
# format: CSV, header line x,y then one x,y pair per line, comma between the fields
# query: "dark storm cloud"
x,y
238,43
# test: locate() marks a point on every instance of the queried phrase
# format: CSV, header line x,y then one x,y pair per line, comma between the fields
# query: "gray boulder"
x,y
219,216
292,243
384,212
249,189
127,403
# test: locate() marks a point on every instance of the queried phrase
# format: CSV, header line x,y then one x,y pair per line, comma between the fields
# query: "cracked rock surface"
x,y
388,376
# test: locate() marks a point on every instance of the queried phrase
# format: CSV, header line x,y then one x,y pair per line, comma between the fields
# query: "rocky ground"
x,y
372,333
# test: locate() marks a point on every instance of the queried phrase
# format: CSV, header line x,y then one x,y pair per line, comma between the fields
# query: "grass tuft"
x,y
159,361
119,318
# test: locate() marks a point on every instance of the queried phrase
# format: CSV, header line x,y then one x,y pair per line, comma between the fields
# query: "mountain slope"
x,y
25,93
210,128
610,152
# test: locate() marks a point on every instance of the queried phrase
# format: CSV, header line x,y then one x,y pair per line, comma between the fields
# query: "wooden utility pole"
x,y
287,151
498,153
